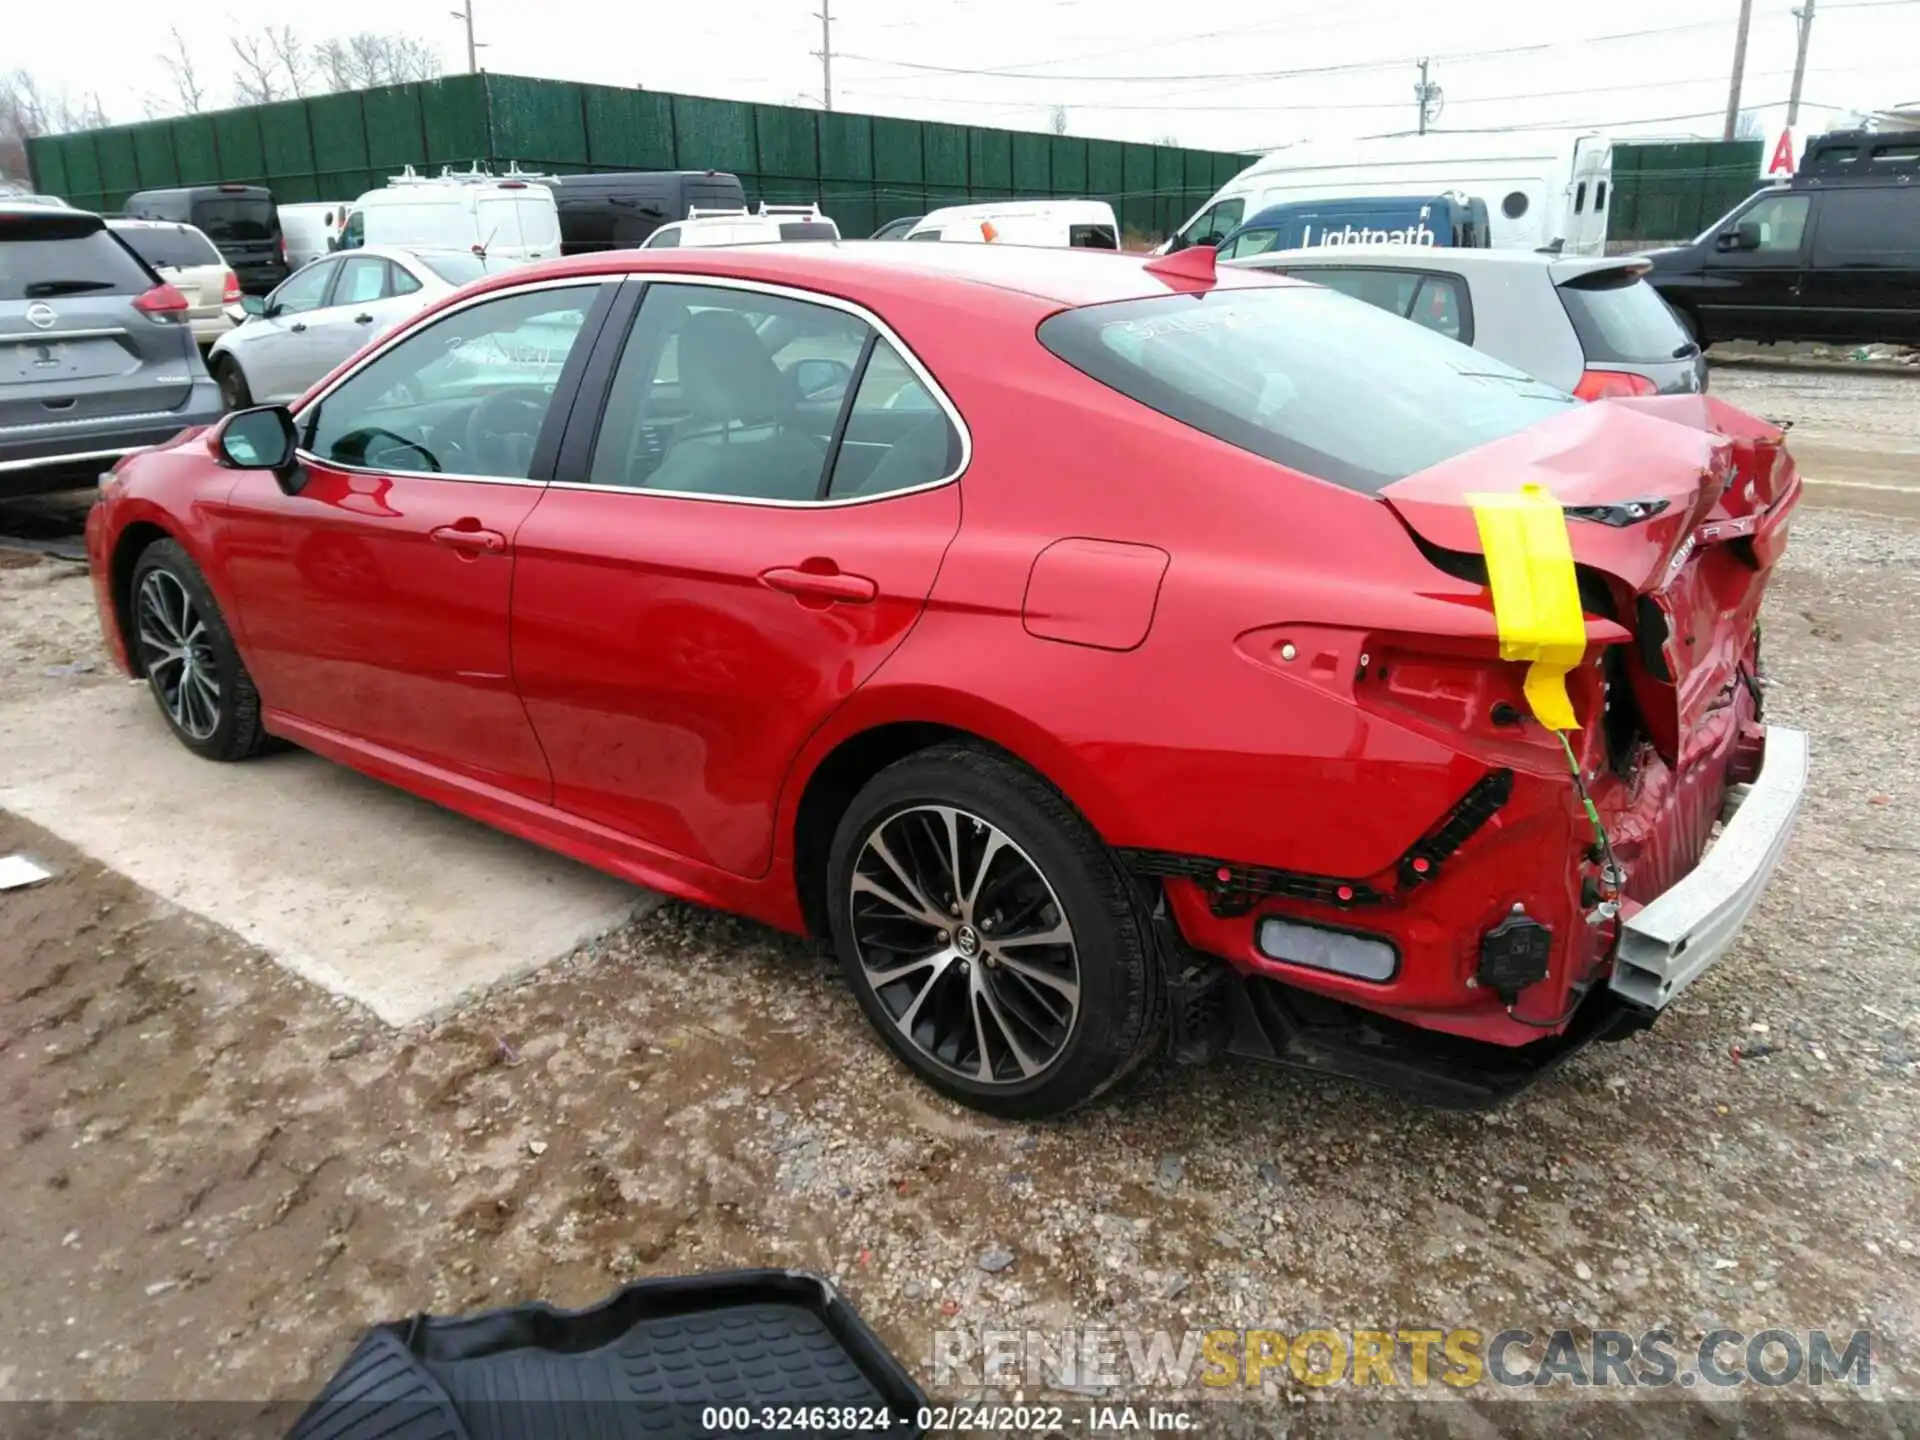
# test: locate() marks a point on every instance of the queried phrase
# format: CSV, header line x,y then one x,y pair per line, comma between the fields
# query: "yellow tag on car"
x,y
1536,594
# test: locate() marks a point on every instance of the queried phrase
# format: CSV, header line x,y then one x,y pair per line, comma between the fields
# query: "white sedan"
x,y
325,312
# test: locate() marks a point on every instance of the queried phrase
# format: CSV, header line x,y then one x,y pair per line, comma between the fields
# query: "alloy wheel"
x,y
178,654
965,944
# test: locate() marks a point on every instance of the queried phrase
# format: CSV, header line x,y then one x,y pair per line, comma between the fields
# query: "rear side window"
x,y
1621,317
173,245
235,218
1867,225
1439,302
43,257
1304,377
1092,237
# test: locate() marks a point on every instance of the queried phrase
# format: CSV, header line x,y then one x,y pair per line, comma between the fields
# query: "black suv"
x,y
242,221
96,353
1833,255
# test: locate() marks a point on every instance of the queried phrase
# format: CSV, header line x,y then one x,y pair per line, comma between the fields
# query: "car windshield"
x,y
235,217
56,253
1306,377
454,268
173,245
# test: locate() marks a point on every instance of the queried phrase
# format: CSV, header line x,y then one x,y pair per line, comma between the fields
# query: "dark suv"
x,y
97,357
1833,255
242,221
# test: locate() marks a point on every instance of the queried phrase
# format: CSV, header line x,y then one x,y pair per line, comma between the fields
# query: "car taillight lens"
x,y
1611,384
230,290
280,243
162,302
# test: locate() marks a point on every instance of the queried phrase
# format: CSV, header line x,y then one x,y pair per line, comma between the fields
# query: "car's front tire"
x,y
187,653
990,936
235,393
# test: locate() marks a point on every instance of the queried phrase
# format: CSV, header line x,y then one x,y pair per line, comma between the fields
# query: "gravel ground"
x,y
216,1176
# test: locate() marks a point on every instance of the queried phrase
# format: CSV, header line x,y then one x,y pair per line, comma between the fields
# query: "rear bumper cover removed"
x,y
1681,933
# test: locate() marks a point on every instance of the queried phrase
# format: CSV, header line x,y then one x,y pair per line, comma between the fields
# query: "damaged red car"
x,y
1104,654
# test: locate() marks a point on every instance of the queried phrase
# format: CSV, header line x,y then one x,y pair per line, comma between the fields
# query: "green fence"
x,y
862,169
1673,192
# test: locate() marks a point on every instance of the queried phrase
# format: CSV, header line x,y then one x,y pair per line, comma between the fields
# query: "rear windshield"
x,y
49,255
455,269
1305,377
235,218
1622,318
173,245
807,230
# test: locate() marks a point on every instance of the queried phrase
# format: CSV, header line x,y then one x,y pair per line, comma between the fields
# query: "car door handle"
x,y
467,535
820,584
363,319
299,327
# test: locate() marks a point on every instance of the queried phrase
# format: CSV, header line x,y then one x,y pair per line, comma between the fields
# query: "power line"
x,y
1342,68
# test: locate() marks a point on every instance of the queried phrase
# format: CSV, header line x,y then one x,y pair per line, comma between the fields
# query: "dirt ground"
x,y
215,1176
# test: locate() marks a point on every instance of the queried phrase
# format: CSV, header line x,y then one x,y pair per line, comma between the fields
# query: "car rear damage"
x,y
1576,886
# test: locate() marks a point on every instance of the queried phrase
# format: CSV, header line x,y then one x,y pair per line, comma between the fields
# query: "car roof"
x,y
1459,259
1060,277
13,210
1095,211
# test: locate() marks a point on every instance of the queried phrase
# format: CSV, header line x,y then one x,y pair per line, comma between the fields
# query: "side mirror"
x,y
819,379
262,438
1747,235
253,305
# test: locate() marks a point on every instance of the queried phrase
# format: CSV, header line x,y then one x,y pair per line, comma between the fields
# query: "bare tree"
x,y
291,52
1749,126
26,111
1057,120
257,80
368,59
189,97
1169,139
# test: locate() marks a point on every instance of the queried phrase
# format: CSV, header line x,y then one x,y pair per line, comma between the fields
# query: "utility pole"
x,y
1805,17
1423,95
1739,70
473,51
825,16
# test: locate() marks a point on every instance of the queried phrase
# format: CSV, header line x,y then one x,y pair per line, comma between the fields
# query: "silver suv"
x,y
97,356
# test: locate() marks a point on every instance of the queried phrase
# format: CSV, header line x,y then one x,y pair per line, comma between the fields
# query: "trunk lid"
x,y
1677,507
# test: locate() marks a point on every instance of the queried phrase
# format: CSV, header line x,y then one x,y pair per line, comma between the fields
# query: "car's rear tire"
x,y
192,667
235,394
978,857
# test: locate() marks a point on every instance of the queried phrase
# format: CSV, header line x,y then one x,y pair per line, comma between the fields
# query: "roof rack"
x,y
1861,155
732,212
805,212
473,175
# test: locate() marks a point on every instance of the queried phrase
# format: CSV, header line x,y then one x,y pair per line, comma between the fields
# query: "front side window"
x,y
925,235
1249,242
304,291
1777,223
354,233
1304,377
1213,225
466,395
752,396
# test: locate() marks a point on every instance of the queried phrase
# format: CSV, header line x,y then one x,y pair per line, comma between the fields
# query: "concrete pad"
x,y
363,890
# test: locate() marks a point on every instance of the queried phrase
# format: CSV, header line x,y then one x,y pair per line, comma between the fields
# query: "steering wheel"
x,y
500,420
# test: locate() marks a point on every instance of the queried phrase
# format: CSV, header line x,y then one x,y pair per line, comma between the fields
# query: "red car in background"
x,y
1099,651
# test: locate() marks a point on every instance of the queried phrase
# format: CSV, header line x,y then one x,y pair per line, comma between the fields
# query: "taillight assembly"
x,y
1612,385
230,290
163,303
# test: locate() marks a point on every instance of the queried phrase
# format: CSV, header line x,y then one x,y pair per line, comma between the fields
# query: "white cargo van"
x,y
1543,190
1079,224
312,229
509,220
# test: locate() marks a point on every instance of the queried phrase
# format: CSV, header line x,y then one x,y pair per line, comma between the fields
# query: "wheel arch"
x,y
133,541
843,757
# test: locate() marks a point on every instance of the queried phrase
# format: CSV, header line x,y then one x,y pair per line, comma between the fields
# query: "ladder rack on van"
x,y
1862,155
699,212
473,176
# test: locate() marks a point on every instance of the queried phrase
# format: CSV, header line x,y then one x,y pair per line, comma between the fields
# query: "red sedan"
x,y
1106,655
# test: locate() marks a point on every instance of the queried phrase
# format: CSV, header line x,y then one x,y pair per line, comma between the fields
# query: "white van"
x,y
1080,224
1543,191
768,225
312,230
509,221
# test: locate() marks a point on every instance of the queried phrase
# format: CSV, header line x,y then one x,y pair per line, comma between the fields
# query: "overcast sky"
x,y
1203,74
